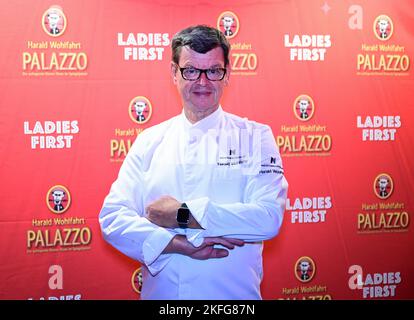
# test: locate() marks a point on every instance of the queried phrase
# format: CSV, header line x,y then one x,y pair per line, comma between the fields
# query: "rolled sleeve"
x,y
195,236
198,208
153,247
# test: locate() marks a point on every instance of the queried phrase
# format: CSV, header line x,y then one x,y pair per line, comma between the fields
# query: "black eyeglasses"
x,y
193,74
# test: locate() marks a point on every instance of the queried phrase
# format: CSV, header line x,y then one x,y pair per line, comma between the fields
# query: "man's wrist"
x,y
183,216
192,223
176,245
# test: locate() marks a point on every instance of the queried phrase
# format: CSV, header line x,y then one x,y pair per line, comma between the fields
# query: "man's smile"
x,y
202,93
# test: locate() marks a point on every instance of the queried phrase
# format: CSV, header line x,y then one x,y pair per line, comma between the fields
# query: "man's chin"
x,y
203,103
203,106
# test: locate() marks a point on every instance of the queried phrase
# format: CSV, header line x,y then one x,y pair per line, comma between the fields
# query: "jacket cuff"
x,y
198,208
152,248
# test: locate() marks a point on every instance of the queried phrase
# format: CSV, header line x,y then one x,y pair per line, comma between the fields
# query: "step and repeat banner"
x,y
80,80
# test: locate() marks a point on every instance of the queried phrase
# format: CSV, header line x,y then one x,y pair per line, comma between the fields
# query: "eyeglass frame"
x,y
201,72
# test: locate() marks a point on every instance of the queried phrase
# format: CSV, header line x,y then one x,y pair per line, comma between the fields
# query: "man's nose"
x,y
203,79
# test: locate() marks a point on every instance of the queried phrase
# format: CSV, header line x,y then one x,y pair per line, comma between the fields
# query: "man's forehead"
x,y
201,60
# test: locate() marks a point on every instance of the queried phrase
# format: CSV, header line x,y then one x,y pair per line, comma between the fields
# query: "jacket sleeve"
x,y
260,213
122,220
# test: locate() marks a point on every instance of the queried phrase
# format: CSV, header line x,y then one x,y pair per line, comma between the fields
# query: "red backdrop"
x,y
66,125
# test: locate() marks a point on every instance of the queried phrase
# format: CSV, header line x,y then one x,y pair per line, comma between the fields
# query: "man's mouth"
x,y
202,93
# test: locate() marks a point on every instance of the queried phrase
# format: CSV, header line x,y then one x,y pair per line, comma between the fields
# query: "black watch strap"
x,y
183,216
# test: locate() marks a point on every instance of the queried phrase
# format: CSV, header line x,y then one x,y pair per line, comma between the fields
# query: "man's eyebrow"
x,y
189,65
217,65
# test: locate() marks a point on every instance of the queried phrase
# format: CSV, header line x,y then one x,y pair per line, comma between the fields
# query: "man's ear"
x,y
174,72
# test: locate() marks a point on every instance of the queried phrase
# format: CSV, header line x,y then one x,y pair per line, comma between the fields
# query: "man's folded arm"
x,y
123,224
256,220
260,213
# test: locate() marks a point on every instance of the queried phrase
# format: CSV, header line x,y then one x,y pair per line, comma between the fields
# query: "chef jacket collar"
x,y
209,122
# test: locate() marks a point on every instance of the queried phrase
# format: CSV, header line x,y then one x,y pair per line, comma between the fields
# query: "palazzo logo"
x,y
136,280
58,199
60,233
229,24
304,139
244,60
382,58
305,269
54,57
383,186
140,112
54,21
140,109
384,216
303,107
383,27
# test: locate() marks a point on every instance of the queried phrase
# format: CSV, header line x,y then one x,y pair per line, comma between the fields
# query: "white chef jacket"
x,y
228,171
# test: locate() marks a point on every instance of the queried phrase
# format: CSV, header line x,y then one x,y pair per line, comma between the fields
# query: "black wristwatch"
x,y
183,216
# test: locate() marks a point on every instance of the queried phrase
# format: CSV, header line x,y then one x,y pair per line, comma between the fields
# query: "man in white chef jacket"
x,y
199,193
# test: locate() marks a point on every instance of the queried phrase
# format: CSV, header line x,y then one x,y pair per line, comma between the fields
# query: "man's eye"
x,y
190,71
213,71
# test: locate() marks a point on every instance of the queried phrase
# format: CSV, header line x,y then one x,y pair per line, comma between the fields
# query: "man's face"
x,y
227,22
58,196
139,107
303,105
201,94
383,25
383,184
53,19
304,266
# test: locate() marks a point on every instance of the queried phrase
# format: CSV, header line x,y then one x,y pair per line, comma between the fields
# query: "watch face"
x,y
183,215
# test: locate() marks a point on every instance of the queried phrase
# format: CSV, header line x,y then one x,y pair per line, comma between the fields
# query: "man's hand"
x,y
207,250
163,213
180,244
